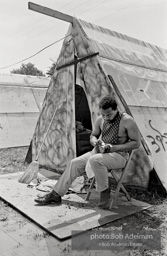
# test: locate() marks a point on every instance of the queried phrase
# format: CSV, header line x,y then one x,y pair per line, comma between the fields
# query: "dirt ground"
x,y
154,218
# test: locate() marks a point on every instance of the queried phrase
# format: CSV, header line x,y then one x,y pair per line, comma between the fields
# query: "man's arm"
x,y
96,132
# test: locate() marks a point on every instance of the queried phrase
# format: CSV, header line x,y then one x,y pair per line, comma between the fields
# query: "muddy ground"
x,y
154,218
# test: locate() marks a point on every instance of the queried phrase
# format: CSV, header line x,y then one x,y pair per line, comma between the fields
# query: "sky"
x,y
24,32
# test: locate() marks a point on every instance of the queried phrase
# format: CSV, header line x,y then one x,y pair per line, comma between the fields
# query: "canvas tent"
x,y
100,62
21,99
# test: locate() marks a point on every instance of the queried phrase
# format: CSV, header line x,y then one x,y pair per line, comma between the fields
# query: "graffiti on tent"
x,y
159,140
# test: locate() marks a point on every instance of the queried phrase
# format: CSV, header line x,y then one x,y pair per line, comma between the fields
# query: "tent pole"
x,y
76,60
50,12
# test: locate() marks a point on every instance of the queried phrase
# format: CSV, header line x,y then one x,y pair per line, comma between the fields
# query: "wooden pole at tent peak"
x,y
50,12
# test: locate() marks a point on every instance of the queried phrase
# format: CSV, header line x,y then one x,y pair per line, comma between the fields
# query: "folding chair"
x,y
119,182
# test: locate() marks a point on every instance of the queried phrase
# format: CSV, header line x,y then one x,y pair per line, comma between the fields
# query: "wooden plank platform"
x,y
73,214
10,246
17,231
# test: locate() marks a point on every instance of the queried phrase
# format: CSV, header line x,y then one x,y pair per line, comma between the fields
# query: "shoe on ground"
x,y
104,198
50,198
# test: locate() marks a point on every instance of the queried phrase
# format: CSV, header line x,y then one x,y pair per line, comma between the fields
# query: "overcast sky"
x,y
24,32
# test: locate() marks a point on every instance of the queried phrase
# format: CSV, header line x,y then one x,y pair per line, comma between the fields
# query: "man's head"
x,y
108,107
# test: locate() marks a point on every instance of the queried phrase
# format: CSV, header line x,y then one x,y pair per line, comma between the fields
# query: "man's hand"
x,y
99,146
103,147
107,148
100,143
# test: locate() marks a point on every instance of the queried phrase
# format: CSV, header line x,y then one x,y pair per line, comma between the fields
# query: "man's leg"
x,y
101,164
74,169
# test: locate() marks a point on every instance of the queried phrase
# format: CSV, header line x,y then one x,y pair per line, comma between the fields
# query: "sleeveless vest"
x,y
110,130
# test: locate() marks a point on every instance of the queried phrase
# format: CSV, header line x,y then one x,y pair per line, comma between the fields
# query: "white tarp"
x,y
21,99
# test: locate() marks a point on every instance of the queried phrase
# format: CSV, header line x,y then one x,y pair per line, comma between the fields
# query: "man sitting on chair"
x,y
114,135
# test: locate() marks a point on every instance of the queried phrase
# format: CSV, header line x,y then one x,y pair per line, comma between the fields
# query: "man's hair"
x,y
108,102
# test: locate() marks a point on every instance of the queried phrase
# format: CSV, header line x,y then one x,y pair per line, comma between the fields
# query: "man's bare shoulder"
x,y
126,117
127,120
99,119
99,122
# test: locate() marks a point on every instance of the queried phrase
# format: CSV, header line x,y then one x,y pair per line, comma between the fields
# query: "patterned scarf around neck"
x,y
110,130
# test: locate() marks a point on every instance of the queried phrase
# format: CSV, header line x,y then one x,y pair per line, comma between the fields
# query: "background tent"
x,y
103,62
21,98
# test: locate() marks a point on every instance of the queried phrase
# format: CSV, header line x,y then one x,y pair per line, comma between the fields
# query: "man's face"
x,y
108,114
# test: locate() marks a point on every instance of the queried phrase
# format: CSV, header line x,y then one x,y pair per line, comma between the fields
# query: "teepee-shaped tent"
x,y
95,62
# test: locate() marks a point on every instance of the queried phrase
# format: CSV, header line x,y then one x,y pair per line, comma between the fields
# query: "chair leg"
x,y
120,185
89,191
114,197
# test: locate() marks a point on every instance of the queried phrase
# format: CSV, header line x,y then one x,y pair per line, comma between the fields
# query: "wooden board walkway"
x,y
73,214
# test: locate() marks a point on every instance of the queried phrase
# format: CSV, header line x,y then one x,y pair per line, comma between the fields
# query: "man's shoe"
x,y
104,198
50,198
